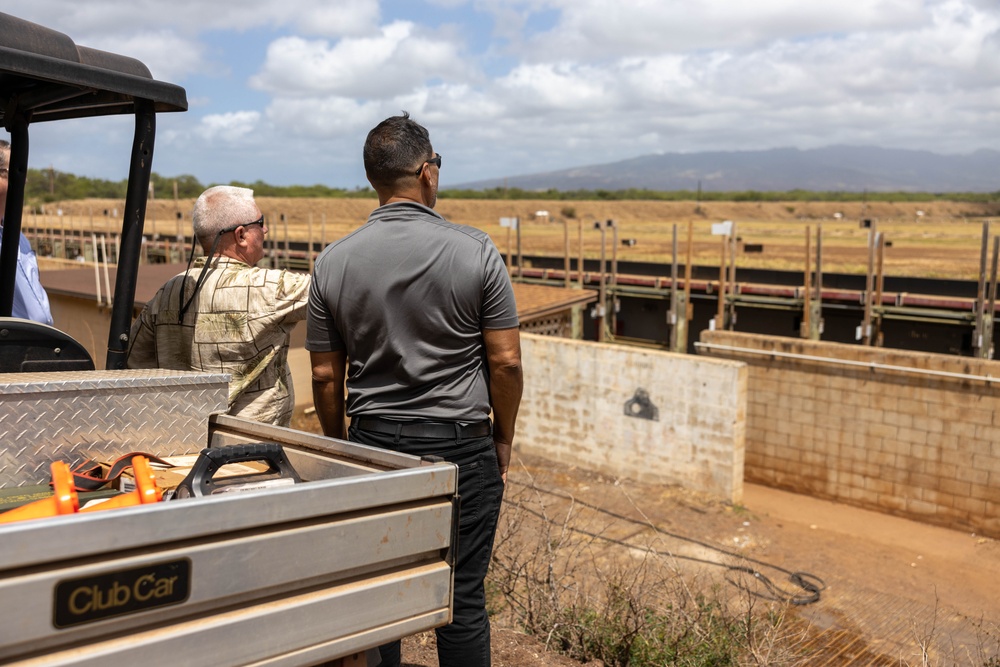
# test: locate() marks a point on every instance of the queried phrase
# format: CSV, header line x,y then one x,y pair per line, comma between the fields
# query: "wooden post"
x,y
866,325
152,210
979,344
687,268
274,249
520,257
614,277
988,334
97,268
91,212
310,251
817,314
805,329
107,279
602,300
510,253
879,285
720,323
731,302
72,236
284,220
579,261
672,316
566,253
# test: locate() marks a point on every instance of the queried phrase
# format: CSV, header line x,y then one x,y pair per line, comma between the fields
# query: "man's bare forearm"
x,y
328,392
329,404
506,385
503,354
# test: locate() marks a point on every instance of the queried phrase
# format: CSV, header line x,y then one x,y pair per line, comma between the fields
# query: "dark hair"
x,y
394,149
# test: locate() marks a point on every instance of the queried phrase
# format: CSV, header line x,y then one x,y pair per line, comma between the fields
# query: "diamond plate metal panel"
x,y
101,414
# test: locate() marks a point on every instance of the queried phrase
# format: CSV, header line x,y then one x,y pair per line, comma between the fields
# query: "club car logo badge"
x,y
93,598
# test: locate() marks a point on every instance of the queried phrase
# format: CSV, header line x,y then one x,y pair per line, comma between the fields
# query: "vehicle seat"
x,y
32,347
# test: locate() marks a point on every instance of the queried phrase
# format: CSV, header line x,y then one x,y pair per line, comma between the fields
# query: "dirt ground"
x,y
896,592
930,239
893,588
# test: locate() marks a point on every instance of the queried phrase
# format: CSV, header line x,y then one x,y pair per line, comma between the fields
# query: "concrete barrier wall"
x,y
586,404
922,446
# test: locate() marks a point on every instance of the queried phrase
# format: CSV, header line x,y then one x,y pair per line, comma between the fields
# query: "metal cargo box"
x,y
355,555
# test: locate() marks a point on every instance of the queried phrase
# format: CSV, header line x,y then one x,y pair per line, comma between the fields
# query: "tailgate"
x,y
356,555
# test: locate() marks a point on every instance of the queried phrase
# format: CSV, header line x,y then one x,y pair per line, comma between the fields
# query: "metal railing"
x,y
847,362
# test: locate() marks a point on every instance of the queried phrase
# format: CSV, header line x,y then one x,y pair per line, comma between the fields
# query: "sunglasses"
x,y
258,221
436,161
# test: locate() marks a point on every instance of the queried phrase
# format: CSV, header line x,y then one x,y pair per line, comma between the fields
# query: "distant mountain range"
x,y
831,169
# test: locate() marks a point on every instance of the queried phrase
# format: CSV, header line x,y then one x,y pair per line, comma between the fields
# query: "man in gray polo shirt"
x,y
418,313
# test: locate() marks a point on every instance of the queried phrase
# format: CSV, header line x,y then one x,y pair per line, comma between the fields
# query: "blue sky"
x,y
286,90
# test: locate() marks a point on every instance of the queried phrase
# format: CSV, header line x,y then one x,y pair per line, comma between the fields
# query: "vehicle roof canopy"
x,y
46,74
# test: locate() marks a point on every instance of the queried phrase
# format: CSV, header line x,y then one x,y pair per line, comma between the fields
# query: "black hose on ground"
x,y
810,584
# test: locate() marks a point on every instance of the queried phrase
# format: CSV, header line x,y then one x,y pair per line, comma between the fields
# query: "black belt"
x,y
406,429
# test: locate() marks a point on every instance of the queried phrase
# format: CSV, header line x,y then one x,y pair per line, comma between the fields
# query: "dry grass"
x,y
556,576
930,239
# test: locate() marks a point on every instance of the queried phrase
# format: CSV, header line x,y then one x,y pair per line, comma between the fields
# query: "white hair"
x,y
222,207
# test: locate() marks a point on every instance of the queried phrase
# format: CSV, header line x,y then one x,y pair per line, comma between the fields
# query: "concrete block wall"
x,y
922,446
583,402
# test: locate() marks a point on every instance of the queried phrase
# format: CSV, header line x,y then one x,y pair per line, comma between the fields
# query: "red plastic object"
x,y
146,489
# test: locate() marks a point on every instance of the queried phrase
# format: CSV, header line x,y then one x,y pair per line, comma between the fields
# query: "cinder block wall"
x,y
916,445
583,405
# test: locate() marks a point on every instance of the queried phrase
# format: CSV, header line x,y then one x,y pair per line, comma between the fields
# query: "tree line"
x,y
49,185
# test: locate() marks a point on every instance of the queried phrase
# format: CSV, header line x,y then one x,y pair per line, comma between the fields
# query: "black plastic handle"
x,y
201,480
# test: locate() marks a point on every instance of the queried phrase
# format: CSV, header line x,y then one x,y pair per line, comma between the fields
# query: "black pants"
x,y
465,642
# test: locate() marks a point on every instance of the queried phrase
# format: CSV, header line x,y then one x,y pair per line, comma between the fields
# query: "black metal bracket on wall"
x,y
641,406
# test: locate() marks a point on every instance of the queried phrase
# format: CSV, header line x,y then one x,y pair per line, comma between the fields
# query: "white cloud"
x,y
571,82
330,19
322,119
227,127
557,87
859,77
168,56
881,86
597,30
168,37
191,37
97,18
400,58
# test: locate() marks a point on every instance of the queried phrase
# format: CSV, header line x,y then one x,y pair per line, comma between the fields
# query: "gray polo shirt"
x,y
407,296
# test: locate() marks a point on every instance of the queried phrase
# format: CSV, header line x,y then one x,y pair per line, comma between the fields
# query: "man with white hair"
x,y
225,315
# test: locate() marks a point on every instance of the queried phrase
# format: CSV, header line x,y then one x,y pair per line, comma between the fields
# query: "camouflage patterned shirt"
x,y
239,323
